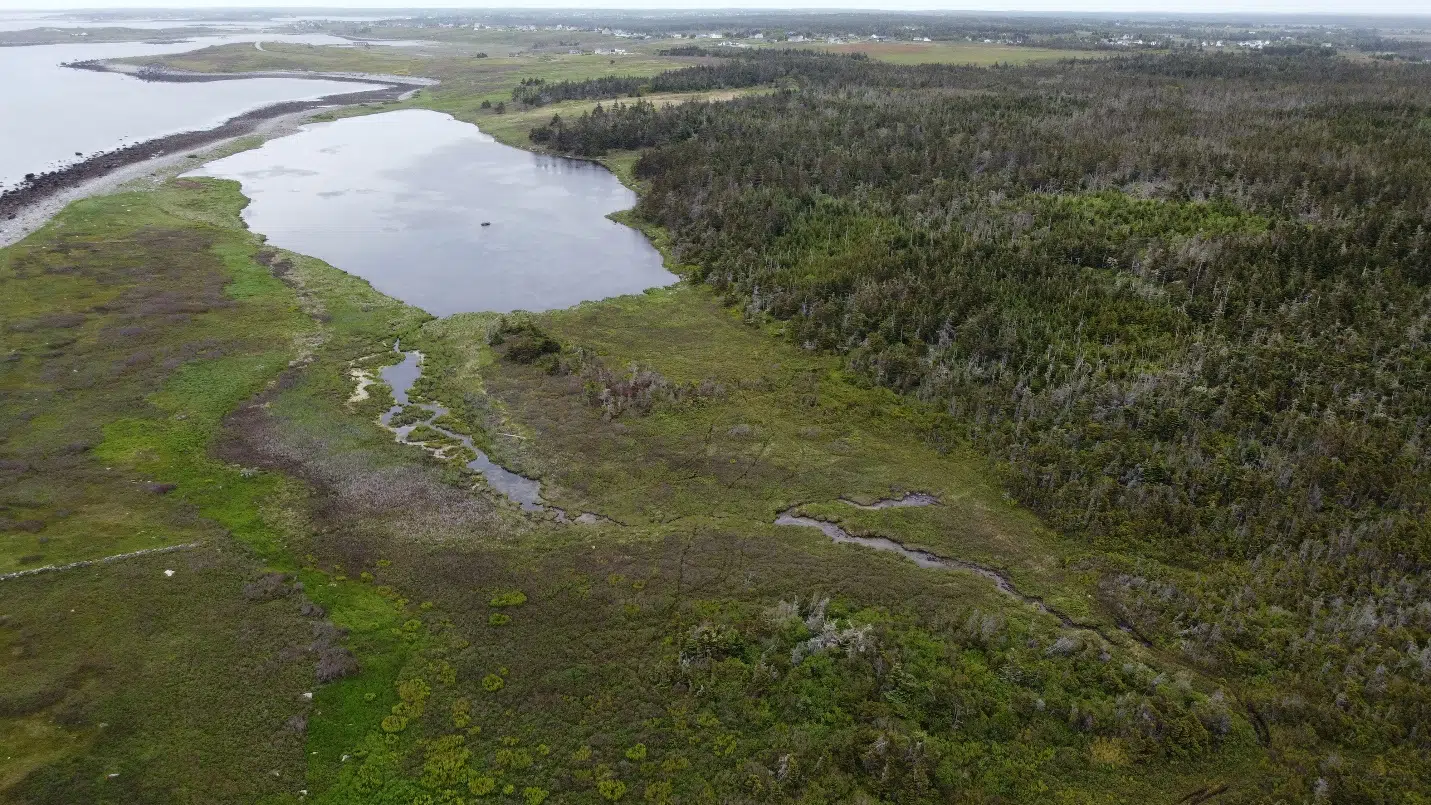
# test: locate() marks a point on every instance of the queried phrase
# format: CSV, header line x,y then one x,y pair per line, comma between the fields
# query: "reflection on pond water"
x,y
433,212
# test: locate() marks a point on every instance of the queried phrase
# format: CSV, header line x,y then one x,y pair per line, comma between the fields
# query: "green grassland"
x,y
128,338
171,381
466,80
789,428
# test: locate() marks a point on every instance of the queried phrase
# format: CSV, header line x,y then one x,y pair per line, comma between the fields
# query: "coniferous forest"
x,y
1181,301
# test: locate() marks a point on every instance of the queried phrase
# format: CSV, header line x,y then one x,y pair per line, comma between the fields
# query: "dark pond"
x,y
401,200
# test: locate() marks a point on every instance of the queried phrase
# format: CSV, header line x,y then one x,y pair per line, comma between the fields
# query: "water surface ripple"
x,y
433,212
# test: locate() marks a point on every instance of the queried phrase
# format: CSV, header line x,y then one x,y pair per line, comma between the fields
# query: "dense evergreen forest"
x,y
1181,300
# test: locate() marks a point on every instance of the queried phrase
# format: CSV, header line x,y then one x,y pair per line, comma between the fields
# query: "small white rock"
x,y
168,573
308,695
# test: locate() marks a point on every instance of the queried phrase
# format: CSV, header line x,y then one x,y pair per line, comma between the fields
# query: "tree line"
x,y
747,69
1181,299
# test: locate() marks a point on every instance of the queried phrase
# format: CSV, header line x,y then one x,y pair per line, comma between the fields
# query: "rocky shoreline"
x,y
40,186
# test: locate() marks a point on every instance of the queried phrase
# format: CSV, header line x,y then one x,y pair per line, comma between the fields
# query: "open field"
x,y
790,428
128,338
456,67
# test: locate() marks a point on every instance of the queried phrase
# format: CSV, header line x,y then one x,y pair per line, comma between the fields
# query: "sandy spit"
x,y
27,208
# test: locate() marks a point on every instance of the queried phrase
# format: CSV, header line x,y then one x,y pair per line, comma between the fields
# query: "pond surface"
x,y
49,112
401,198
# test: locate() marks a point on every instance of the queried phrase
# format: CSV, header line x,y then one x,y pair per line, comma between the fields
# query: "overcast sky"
x,y
1160,6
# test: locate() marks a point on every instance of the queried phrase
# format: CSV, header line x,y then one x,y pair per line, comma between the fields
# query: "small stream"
x,y
925,559
524,491
912,499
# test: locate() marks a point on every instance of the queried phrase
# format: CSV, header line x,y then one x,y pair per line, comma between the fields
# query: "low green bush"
x,y
510,598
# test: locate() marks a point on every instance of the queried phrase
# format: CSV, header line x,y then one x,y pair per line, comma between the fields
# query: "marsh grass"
x,y
127,662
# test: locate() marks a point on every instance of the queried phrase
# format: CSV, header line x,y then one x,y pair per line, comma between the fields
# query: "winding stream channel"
x,y
525,492
926,559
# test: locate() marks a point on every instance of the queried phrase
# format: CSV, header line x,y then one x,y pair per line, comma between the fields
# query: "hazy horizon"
x,y
1182,7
